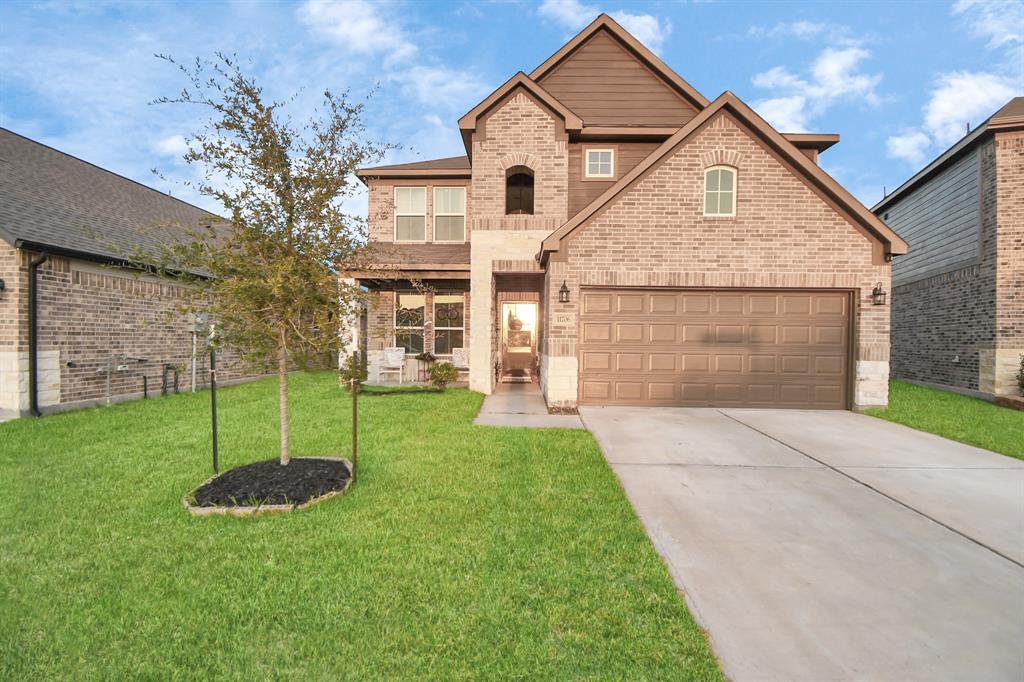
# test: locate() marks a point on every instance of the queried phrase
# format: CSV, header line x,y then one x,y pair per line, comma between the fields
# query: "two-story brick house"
x,y
958,297
619,238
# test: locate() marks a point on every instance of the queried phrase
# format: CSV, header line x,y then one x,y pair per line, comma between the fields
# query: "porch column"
x,y
349,328
481,325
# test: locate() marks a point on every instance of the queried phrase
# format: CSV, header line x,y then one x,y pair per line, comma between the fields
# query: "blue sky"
x,y
898,80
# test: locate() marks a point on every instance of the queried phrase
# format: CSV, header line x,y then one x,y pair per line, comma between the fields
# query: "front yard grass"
x,y
951,415
462,552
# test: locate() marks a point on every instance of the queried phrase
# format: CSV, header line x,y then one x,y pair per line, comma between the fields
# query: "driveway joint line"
x,y
876,490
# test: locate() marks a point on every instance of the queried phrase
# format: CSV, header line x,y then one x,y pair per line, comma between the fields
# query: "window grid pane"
x,y
411,228
599,163
719,192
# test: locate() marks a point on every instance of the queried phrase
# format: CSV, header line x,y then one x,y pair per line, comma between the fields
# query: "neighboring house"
x,y
616,236
63,221
958,296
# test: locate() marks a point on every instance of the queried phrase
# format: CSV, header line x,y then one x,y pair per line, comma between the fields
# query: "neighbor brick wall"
x,y
943,325
9,317
88,313
1009,162
783,235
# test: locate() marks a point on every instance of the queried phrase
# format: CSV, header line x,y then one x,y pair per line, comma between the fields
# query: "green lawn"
x,y
968,420
463,552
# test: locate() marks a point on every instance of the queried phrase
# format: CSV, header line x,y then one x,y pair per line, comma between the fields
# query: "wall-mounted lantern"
x,y
878,295
3,285
563,293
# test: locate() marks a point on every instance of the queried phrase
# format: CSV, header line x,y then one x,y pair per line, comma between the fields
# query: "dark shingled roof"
x,y
415,256
51,200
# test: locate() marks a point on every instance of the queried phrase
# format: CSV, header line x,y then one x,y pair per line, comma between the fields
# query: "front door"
x,y
518,341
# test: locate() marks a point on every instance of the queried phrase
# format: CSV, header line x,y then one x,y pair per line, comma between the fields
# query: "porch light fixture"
x,y
878,295
3,285
563,293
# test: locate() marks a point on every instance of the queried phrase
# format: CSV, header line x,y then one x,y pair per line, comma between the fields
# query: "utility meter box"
x,y
201,323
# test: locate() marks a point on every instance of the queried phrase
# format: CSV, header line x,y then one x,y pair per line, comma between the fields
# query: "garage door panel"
x,y
663,333
758,348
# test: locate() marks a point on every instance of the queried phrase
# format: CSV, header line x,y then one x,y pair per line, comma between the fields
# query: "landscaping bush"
x,y
1020,376
442,374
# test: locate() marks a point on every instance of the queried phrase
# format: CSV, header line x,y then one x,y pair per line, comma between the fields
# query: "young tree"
x,y
270,271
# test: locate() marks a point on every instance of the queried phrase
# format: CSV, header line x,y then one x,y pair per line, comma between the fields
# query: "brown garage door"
x,y
727,348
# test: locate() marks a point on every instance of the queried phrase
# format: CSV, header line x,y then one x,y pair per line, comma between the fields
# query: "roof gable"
x,y
609,77
468,123
830,190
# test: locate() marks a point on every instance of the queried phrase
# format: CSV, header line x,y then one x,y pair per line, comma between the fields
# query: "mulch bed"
x,y
264,483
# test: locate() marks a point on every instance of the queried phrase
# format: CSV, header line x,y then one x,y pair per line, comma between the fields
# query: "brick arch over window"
x,y
721,157
518,159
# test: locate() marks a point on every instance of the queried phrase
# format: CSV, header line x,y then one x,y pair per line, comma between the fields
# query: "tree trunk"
x,y
282,377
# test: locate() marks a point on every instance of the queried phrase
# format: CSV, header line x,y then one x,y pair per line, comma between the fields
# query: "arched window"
x,y
518,191
720,191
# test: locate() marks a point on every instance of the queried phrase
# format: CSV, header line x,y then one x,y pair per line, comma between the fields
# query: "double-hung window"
x,y
410,314
449,214
600,163
449,322
410,214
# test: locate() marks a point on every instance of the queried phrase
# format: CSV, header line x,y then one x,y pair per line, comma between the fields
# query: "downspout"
x,y
33,335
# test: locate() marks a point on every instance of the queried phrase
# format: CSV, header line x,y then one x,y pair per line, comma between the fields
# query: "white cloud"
x,y
357,25
646,28
796,29
909,146
959,98
999,22
173,145
456,89
574,15
787,114
834,76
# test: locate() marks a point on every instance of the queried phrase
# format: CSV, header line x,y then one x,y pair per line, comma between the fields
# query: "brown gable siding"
x,y
606,85
581,190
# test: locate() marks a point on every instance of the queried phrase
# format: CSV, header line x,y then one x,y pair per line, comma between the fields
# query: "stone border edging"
x,y
267,508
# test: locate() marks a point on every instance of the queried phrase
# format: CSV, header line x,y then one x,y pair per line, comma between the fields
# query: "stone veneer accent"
x,y
784,235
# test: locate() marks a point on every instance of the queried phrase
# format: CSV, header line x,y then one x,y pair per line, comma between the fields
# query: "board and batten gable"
x,y
605,84
941,220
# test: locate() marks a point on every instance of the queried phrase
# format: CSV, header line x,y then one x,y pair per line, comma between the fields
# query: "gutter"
x,y
33,334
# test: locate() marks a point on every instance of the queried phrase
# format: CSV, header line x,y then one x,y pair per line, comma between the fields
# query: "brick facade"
x,y
91,317
783,235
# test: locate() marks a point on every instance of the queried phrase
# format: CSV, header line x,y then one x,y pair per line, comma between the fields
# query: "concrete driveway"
x,y
830,545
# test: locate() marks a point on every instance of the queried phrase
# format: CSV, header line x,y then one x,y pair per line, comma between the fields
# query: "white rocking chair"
x,y
460,360
394,362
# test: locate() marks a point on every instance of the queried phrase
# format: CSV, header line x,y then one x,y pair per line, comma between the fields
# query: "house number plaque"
x,y
565,318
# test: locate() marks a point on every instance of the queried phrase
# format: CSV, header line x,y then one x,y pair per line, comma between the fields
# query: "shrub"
x,y
442,374
354,367
1020,376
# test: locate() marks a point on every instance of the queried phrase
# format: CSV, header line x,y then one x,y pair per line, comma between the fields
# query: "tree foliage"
x,y
268,273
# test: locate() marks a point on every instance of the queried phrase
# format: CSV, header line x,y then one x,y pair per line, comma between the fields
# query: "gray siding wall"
x,y
941,222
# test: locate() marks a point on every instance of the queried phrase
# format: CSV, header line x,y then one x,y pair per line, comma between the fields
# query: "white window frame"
x,y
436,328
586,163
465,197
410,215
421,329
734,191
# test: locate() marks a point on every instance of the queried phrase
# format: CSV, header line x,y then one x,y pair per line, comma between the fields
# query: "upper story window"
x,y
720,191
449,214
600,163
410,214
519,191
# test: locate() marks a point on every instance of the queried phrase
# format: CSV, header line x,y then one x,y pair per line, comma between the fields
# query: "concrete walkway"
x,y
830,545
522,405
